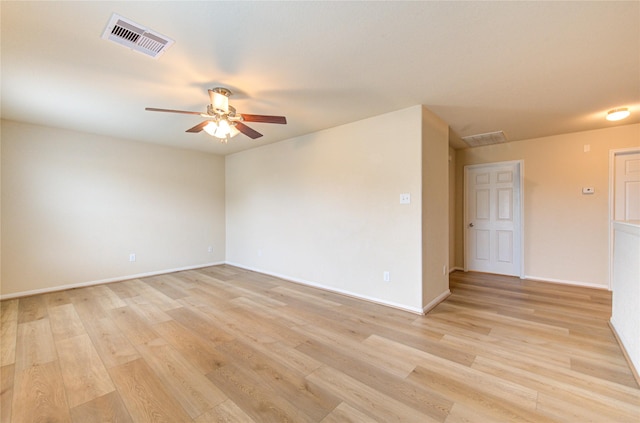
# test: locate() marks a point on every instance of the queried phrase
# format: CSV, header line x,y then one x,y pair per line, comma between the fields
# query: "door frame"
x,y
612,170
520,181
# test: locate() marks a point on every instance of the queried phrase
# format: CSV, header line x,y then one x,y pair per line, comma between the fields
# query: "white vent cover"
x,y
485,139
136,37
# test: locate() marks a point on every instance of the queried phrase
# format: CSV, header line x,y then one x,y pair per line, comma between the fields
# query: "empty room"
x,y
314,211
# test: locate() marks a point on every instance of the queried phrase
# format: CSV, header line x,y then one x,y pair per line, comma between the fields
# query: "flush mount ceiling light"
x,y
222,120
618,114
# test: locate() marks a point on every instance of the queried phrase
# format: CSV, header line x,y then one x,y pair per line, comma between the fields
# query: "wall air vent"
x,y
136,37
485,139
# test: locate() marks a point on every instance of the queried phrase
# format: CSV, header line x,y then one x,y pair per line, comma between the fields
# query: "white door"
x,y
493,233
627,187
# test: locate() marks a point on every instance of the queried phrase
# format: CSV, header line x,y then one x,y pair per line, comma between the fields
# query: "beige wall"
x,y
435,209
75,205
324,208
565,232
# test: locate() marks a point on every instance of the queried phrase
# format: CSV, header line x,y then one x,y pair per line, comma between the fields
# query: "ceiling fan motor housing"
x,y
220,100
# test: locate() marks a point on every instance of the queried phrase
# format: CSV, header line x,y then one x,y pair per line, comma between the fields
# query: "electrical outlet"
x,y
386,277
132,257
210,249
405,198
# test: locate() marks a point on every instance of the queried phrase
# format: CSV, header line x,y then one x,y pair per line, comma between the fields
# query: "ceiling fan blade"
x,y
251,133
153,109
264,118
199,127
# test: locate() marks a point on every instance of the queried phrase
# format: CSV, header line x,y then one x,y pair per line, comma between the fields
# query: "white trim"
x,y
612,168
331,289
440,298
520,166
632,365
566,282
103,281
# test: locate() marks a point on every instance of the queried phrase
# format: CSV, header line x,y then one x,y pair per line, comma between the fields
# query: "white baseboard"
x,y
331,289
415,310
567,282
103,281
625,352
440,298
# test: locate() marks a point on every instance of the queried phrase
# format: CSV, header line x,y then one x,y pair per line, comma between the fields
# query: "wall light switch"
x,y
405,198
588,190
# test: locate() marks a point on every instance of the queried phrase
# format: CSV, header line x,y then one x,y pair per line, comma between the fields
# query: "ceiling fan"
x,y
223,122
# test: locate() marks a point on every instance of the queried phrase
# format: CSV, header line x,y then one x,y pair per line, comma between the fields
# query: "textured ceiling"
x,y
529,69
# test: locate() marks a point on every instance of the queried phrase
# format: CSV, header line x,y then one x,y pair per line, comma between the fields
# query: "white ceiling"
x,y
530,69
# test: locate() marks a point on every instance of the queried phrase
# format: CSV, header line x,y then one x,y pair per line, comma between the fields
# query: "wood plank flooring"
x,y
222,344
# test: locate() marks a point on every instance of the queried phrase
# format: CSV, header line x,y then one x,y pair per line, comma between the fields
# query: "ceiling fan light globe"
x,y
224,127
219,134
211,128
219,129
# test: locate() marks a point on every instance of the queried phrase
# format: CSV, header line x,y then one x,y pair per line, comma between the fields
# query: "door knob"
x,y
471,225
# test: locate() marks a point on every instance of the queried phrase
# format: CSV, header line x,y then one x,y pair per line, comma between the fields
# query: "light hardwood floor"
x,y
222,344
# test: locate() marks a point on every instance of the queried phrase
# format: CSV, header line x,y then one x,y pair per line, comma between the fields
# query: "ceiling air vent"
x,y
136,37
485,139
